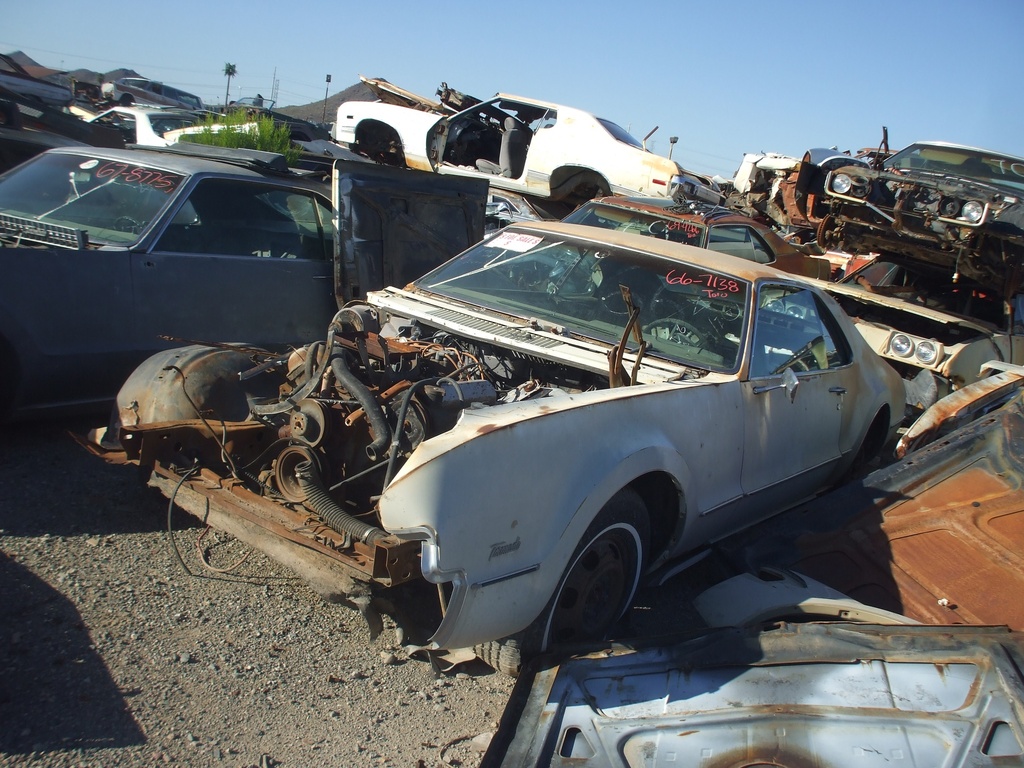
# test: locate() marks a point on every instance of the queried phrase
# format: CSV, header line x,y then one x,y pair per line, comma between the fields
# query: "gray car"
x,y
111,255
132,90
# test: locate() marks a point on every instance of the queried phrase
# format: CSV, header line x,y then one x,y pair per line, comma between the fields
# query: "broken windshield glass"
x,y
111,201
687,313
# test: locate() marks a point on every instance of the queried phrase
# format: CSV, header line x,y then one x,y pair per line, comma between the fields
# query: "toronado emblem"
x,y
503,548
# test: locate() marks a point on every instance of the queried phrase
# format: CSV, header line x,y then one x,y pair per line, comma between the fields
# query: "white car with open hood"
x,y
527,428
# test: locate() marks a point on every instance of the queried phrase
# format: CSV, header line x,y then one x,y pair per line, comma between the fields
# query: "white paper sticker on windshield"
x,y
515,241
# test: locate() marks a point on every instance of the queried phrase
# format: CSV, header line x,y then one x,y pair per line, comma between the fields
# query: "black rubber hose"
x,y
329,510
378,424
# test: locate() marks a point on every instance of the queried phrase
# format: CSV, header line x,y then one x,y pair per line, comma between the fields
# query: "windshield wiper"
x,y
616,373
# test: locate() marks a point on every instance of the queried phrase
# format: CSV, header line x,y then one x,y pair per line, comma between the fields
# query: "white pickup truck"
x,y
524,145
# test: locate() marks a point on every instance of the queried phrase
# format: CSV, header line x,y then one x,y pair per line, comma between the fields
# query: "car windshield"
x,y
664,227
687,312
185,98
111,200
977,164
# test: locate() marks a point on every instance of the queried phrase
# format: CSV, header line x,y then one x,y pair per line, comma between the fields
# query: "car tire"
x,y
594,592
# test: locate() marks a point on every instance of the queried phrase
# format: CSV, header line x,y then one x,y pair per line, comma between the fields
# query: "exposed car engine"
x,y
347,411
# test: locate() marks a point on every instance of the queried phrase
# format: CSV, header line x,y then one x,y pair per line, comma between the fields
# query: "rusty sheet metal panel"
x,y
938,536
819,695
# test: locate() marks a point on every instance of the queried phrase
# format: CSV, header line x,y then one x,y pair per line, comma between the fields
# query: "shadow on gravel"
x,y
51,484
55,691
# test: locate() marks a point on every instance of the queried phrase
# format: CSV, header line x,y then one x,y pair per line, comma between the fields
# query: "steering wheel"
x,y
695,303
127,224
675,331
803,357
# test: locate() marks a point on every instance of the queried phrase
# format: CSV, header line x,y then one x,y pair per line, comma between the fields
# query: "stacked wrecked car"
x,y
945,226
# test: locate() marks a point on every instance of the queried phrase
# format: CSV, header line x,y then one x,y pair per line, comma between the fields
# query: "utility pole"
x,y
326,89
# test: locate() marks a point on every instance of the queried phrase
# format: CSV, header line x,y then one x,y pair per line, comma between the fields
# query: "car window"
x,y
640,222
238,218
794,329
620,133
163,124
741,241
124,123
185,98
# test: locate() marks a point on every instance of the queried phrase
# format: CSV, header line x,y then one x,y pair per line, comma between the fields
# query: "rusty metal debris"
x,y
937,536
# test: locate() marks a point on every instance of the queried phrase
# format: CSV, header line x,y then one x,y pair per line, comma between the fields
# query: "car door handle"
x,y
323,277
837,390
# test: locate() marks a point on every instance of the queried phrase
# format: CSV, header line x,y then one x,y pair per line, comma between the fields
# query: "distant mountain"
x,y
313,112
81,75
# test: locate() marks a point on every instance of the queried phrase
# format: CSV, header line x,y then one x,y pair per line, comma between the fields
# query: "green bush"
x,y
240,130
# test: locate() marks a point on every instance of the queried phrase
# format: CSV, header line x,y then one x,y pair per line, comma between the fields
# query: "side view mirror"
x,y
789,381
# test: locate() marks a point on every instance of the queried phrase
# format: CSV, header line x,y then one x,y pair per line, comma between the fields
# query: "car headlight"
x,y
841,183
927,352
972,211
901,345
949,207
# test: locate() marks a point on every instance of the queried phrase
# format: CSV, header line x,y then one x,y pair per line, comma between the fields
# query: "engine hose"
x,y
329,510
402,411
378,424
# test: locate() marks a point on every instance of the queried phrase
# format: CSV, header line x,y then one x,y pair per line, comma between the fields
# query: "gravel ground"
x,y
115,652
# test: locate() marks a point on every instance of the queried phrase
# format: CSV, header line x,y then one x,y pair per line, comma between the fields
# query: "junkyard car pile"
x,y
947,224
530,429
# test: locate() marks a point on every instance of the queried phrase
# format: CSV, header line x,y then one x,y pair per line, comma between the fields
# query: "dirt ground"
x,y
118,647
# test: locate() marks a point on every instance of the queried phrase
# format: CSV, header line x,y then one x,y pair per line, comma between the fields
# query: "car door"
x,y
793,436
470,143
241,260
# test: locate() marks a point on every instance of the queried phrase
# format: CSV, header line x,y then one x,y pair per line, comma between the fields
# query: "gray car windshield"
x,y
113,201
977,164
687,313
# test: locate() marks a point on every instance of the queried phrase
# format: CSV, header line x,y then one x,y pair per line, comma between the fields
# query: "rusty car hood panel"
x,y
827,694
881,300
937,536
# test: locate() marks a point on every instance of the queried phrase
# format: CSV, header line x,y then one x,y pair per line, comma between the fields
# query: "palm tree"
x,y
230,70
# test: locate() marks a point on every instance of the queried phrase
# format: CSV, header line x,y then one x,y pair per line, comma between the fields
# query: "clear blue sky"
x,y
725,77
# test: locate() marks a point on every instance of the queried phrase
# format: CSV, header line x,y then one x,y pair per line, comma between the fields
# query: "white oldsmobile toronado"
x,y
528,428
